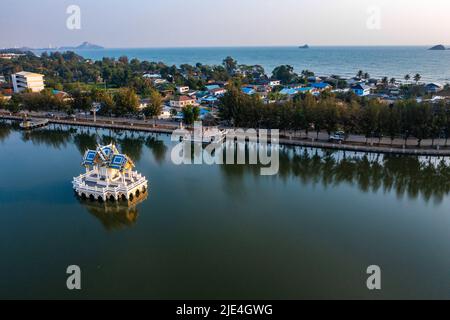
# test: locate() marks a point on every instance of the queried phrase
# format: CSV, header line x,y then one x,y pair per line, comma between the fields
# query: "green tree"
x,y
2,102
154,106
417,78
81,100
407,78
370,121
390,119
126,102
285,74
330,114
230,65
190,114
106,101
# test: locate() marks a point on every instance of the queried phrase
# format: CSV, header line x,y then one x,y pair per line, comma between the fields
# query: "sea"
x,y
381,61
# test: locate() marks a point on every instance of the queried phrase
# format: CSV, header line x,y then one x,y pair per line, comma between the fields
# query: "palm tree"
x,y
392,81
307,74
385,81
366,76
407,78
360,74
417,78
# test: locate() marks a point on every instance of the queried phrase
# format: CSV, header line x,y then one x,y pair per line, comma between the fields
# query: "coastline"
x,y
341,60
318,144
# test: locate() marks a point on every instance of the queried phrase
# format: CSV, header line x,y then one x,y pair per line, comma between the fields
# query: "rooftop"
x,y
183,98
29,74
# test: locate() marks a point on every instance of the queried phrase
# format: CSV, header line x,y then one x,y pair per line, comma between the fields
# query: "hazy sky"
x,y
167,23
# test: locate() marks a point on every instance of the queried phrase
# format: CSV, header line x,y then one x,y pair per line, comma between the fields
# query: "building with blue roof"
x,y
249,91
212,87
109,175
320,85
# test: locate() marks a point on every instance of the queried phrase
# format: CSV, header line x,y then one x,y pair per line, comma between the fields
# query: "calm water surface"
x,y
221,231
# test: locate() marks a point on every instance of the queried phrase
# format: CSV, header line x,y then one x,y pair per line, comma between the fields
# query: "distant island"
x,y
84,46
304,47
438,47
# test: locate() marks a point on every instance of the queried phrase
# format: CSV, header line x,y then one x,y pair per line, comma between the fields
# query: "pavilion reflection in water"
x,y
115,215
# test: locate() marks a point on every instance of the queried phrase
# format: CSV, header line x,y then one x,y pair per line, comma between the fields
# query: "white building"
x,y
28,80
109,175
182,90
182,101
165,114
274,83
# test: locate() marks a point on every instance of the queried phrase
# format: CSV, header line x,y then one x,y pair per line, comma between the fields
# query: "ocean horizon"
x,y
346,61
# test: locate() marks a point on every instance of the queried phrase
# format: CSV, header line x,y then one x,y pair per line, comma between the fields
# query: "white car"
x,y
337,137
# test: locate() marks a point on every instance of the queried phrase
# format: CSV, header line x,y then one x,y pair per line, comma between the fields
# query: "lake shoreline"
x,y
118,125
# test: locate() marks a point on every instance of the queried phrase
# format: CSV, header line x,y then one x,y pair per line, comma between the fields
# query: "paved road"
x,y
168,125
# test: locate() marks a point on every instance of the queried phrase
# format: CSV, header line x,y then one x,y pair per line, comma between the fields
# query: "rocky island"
x,y
84,46
438,47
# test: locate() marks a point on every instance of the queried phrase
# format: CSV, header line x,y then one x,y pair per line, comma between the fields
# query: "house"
x,y
2,79
434,87
361,90
143,103
288,92
152,76
294,91
209,100
28,81
248,90
320,86
165,114
314,79
9,56
305,90
183,89
159,81
274,83
218,92
182,101
61,95
212,87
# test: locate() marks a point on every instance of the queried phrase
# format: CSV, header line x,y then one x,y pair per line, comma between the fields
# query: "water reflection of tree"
x,y
406,176
84,141
132,146
114,215
5,130
54,137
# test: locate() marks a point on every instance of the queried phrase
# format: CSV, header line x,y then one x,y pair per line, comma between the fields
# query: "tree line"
x,y
371,118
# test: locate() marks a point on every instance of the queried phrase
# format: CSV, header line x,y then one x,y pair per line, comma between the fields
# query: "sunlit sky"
x,y
174,23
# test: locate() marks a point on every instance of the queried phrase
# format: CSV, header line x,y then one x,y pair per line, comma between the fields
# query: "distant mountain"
x,y
438,47
304,47
83,46
16,50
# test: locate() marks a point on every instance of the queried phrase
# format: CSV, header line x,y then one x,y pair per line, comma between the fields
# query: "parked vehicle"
x,y
337,137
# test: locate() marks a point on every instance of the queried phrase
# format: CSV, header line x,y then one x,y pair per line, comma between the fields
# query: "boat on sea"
x,y
206,135
304,47
109,176
28,124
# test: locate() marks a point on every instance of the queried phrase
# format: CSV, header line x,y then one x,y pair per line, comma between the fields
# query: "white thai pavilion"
x,y
109,176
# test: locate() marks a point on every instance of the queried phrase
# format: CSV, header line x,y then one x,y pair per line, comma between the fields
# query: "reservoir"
x,y
223,231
